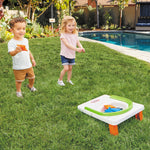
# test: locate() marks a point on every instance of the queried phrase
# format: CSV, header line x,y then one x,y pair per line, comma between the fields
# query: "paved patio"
x,y
142,55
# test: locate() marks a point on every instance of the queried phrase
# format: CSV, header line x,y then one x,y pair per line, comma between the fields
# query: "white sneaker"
x,y
19,94
70,82
33,89
61,83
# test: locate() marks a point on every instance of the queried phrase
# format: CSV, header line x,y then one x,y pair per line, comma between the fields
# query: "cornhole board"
x,y
95,108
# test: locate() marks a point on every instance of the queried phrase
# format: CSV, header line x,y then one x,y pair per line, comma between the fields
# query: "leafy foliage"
x,y
33,30
121,4
41,6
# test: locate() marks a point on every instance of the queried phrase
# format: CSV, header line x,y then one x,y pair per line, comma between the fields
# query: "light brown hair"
x,y
64,22
16,20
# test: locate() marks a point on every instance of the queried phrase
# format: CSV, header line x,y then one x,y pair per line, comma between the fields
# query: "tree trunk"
x,y
97,13
20,4
33,12
120,18
44,10
29,10
70,8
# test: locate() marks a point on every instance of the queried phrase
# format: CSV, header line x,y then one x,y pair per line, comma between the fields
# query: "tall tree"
x,y
97,12
31,6
41,5
64,7
71,4
121,4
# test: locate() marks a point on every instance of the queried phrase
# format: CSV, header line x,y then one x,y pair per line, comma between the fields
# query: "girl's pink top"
x,y
72,40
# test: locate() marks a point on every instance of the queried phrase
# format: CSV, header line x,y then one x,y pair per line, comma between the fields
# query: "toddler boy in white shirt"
x,y
18,48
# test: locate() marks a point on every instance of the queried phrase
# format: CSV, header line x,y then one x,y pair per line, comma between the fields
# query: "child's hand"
x,y
18,49
23,47
33,63
79,50
83,50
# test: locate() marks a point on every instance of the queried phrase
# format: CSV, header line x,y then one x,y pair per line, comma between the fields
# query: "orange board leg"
x,y
113,129
139,116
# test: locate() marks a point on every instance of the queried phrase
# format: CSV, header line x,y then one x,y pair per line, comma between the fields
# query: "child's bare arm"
x,y
70,46
16,51
32,59
80,45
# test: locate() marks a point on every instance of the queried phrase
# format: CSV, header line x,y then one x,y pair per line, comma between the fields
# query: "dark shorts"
x,y
67,61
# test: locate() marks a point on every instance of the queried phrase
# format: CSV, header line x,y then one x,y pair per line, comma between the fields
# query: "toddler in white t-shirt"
x,y
18,48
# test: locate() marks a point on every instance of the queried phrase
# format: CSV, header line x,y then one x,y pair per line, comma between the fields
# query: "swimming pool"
x,y
130,40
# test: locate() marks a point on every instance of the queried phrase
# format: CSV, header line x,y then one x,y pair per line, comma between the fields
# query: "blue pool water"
x,y
131,40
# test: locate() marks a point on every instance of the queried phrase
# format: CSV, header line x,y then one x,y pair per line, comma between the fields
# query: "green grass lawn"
x,y
49,119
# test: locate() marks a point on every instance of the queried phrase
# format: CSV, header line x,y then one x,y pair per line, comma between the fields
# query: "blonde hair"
x,y
64,22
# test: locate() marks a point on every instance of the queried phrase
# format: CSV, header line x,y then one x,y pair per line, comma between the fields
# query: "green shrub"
x,y
107,17
85,26
113,26
5,35
28,36
79,16
91,21
48,30
93,28
86,16
33,30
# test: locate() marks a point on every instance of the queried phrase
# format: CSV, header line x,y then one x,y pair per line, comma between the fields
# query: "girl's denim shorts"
x,y
67,61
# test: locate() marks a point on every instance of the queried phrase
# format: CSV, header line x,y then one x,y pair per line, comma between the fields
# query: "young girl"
x,y
69,41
